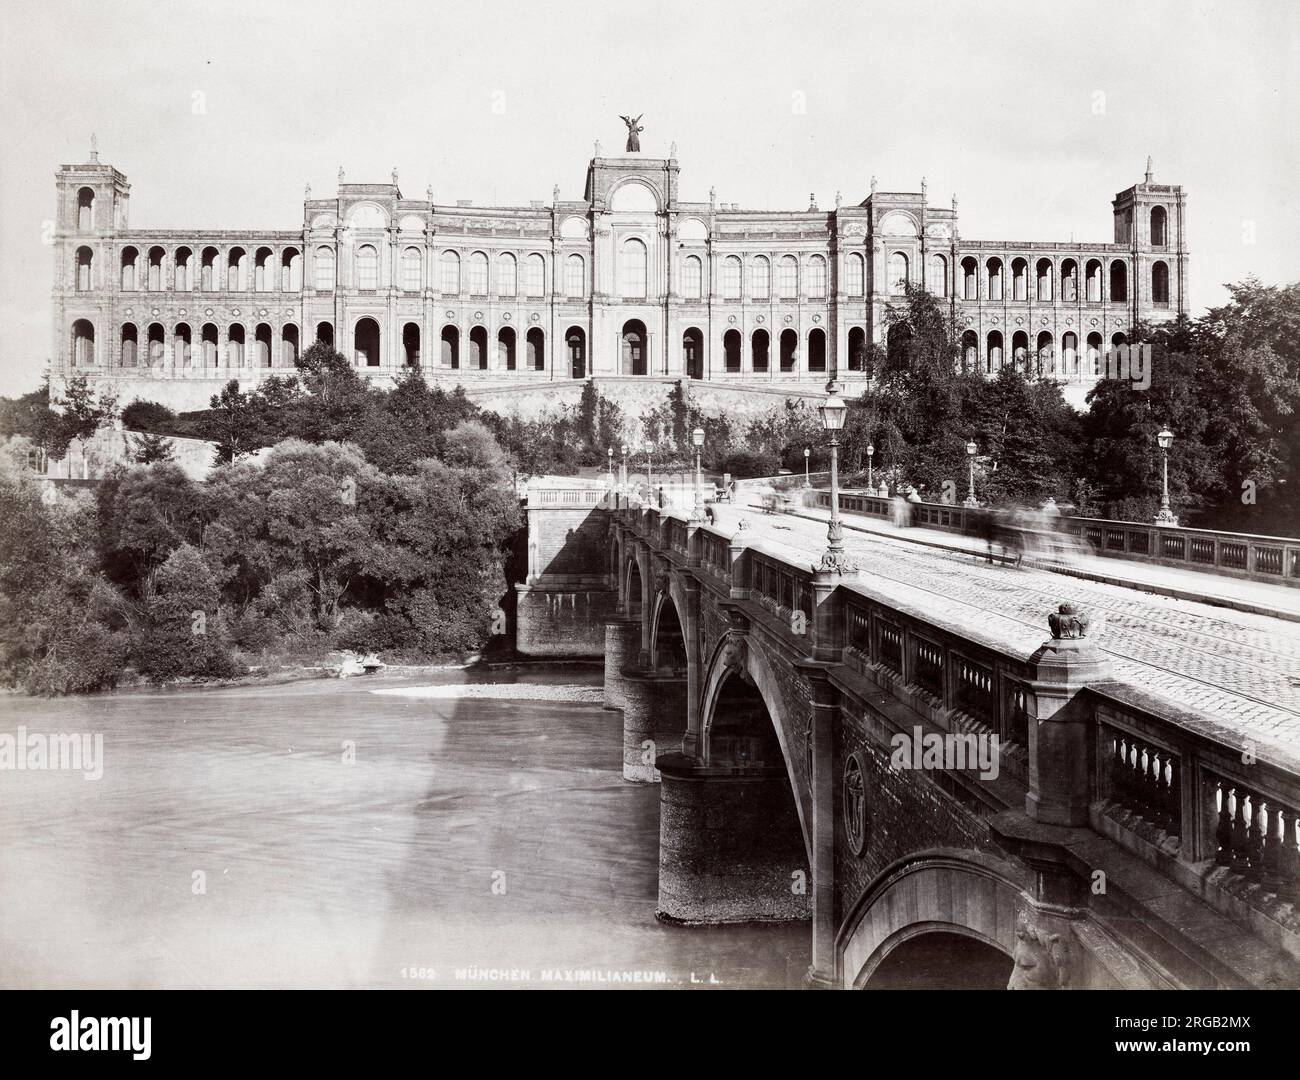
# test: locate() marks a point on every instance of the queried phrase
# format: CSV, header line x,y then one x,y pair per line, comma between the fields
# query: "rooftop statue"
x,y
634,129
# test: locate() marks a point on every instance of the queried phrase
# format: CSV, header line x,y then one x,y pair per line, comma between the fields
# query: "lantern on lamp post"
x,y
697,512
871,454
834,559
807,453
1165,439
610,455
970,502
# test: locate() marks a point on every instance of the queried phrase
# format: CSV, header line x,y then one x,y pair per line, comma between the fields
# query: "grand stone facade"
x,y
628,282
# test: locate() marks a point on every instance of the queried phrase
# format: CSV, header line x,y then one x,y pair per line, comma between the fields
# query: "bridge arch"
x,y
668,642
961,893
735,659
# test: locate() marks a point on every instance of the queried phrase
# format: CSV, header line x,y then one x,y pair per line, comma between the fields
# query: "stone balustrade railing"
x,y
1260,558
1182,800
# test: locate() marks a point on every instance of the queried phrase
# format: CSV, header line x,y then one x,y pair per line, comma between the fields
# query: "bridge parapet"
x,y
1274,559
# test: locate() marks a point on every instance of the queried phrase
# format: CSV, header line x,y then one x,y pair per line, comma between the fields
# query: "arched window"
x,y
128,267
534,276
324,264
939,275
156,256
575,340
237,270
731,350
993,356
1160,284
575,276
1070,281
817,278
412,270
817,349
994,269
857,349
692,277
211,354
365,343
130,340
1069,353
450,347
183,275
291,270
898,277
535,346
633,358
367,267
1118,282
85,266
789,349
157,343
970,351
507,275
1092,281
263,281
288,345
182,346
478,348
1019,279
411,344
478,274
1092,360
855,278
86,209
758,350
450,283
83,342
761,282
262,346
325,334
632,268
235,346
731,278
1159,227
506,349
1046,354
1043,279
970,283
789,280
693,353
208,271
1020,350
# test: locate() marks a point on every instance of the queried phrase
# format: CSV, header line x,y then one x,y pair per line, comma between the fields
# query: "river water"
x,y
320,834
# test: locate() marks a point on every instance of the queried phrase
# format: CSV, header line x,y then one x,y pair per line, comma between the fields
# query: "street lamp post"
x,y
834,559
807,453
971,502
871,454
649,447
1165,439
610,453
622,471
697,513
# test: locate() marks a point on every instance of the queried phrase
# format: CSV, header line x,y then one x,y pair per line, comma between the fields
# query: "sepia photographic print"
x,y
650,496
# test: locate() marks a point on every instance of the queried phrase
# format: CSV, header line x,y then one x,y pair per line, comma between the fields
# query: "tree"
x,y
147,449
233,423
182,632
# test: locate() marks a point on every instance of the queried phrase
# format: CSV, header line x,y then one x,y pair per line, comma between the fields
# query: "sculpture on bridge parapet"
x,y
1067,621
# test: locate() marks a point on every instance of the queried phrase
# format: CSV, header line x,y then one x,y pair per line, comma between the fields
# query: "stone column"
x,y
729,845
654,721
622,642
1060,743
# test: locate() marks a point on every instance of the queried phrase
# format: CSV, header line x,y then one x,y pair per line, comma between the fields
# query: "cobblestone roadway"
x,y
1240,670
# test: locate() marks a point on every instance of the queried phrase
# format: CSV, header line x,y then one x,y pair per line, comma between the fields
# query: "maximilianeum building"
x,y
629,282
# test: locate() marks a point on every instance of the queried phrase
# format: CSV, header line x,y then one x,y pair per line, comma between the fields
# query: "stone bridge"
x,y
954,779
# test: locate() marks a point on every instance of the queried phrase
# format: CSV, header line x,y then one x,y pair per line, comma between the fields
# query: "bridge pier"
x,y
622,644
654,720
730,846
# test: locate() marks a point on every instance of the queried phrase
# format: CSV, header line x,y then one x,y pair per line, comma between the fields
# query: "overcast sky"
x,y
1034,115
